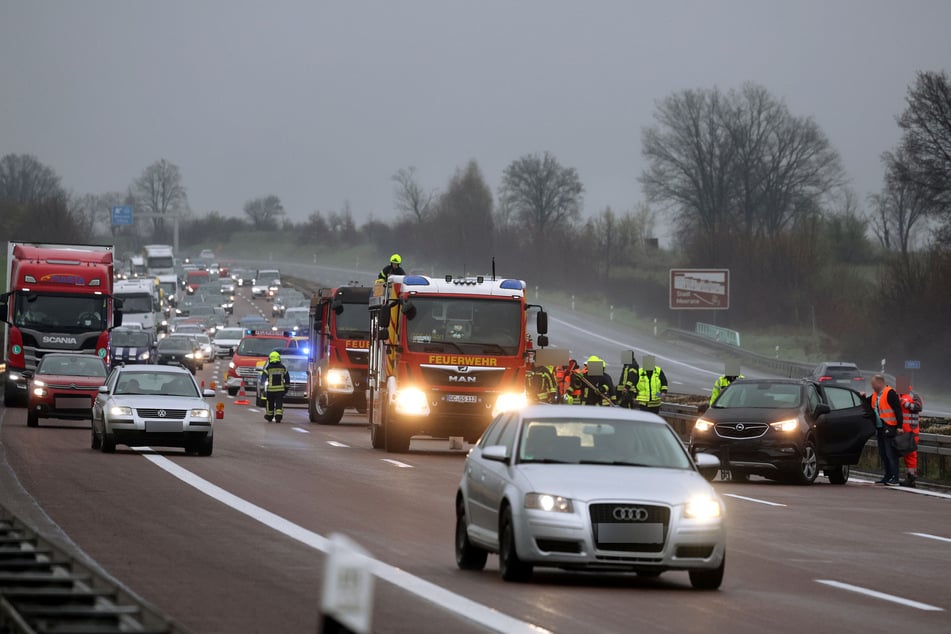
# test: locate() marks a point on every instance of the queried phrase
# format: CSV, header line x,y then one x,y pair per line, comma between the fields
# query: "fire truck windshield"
x,y
60,313
467,325
353,322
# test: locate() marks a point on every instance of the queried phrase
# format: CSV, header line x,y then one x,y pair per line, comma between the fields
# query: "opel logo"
x,y
740,427
161,413
630,514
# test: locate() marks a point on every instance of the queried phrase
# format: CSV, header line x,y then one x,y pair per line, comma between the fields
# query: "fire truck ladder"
x,y
45,589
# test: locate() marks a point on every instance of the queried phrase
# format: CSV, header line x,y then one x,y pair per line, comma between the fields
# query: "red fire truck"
x,y
58,299
446,356
339,352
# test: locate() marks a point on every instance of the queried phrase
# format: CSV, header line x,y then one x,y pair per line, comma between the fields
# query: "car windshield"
x,y
138,303
609,442
203,339
156,383
229,334
465,325
72,365
175,344
761,395
127,339
260,346
60,313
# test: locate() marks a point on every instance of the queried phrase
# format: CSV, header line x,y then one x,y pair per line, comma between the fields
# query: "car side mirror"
x,y
498,453
409,309
707,464
542,341
103,389
208,393
27,374
822,409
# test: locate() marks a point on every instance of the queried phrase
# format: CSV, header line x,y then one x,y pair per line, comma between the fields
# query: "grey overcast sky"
x,y
322,102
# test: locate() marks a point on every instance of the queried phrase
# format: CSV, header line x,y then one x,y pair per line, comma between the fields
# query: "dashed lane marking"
x,y
875,594
479,613
334,443
916,491
934,537
255,410
397,463
300,430
758,501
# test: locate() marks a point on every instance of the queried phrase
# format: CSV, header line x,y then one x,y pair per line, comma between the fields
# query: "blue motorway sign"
x,y
912,365
122,215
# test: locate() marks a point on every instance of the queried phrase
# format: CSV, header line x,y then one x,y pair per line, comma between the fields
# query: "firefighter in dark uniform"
x,y
599,387
277,379
627,382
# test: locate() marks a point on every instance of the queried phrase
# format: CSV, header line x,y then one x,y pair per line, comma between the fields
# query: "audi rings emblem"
x,y
740,427
162,413
630,514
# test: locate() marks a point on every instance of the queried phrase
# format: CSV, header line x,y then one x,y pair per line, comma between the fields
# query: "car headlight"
x,y
785,425
703,425
337,378
190,355
231,365
118,410
164,322
508,402
39,391
702,508
14,376
144,356
200,413
546,502
412,402
38,383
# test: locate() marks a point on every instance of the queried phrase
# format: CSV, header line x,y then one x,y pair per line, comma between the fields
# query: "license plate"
x,y
163,426
73,402
462,398
631,533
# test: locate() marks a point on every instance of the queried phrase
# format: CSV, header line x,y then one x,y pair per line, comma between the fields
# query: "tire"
x,y
468,556
96,442
708,579
108,443
232,391
206,446
808,467
838,474
397,440
329,415
32,418
739,476
510,566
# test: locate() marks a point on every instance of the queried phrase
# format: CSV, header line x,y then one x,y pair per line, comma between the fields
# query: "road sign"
x,y
912,365
699,289
122,215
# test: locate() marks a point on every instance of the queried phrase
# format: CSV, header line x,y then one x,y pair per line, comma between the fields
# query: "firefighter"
x,y
575,383
731,372
651,385
277,379
541,384
598,388
393,268
627,382
911,409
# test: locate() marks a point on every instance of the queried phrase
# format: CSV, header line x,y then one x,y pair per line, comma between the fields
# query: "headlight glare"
x,y
200,413
547,502
703,425
412,402
118,410
702,508
786,425
144,356
39,391
509,402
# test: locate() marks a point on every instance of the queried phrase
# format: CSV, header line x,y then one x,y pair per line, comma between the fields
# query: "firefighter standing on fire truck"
x,y
395,267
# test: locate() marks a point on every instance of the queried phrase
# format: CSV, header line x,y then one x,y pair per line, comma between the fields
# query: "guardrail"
x,y
43,588
782,367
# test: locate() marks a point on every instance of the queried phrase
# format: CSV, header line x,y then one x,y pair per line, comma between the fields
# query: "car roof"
x,y
177,369
776,381
543,411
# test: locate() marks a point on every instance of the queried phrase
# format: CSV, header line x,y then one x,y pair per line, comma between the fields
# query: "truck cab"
x,y
139,303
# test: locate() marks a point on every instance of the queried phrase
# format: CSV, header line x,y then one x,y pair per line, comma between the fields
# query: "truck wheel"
x,y
32,418
397,440
326,415
377,436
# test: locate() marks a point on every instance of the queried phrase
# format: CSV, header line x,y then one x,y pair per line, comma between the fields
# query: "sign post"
x,y
699,289
912,365
347,602
122,215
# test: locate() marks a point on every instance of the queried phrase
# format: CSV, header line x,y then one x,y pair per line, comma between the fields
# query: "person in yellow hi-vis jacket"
x,y
278,378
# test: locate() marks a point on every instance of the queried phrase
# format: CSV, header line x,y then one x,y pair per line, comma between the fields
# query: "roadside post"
x,y
347,599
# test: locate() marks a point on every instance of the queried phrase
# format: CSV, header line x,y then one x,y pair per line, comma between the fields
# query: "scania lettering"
x,y
58,299
446,356
339,351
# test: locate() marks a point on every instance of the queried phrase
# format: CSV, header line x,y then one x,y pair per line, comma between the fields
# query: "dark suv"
x,y
785,429
839,373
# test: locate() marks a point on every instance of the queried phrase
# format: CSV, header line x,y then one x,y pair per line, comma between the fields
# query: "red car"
x,y
64,386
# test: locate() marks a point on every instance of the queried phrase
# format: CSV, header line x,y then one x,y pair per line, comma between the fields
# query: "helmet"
x,y
594,359
396,259
274,356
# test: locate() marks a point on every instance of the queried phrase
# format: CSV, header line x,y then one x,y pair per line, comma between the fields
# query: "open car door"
x,y
842,433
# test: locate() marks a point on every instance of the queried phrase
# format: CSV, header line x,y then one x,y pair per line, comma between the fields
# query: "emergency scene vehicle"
x,y
255,346
446,356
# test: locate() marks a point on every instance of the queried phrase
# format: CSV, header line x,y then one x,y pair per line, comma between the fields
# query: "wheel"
x,y
329,414
108,443
808,465
510,566
377,436
32,418
708,579
839,474
397,440
739,476
96,440
468,556
232,391
206,446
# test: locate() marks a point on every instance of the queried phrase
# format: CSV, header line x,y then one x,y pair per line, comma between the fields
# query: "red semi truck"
x,y
58,299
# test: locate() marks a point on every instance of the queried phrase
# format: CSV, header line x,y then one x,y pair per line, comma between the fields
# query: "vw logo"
x,y
740,427
162,413
630,514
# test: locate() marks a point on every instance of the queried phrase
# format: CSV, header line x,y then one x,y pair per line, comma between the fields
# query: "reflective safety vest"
x,y
542,385
721,384
885,412
910,409
649,387
277,377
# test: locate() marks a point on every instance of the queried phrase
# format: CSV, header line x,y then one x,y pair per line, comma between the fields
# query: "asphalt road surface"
x,y
235,542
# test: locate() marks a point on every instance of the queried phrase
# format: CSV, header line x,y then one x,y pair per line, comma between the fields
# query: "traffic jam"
x,y
544,465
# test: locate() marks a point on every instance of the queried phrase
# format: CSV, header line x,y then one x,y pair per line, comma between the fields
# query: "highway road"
x,y
235,542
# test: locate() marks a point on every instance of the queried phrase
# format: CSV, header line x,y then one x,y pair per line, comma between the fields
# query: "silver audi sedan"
x,y
589,488
155,405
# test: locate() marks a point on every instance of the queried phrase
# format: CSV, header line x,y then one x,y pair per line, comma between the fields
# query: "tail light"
x,y
824,378
858,378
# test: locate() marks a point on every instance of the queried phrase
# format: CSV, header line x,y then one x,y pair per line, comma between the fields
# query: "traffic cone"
x,y
242,396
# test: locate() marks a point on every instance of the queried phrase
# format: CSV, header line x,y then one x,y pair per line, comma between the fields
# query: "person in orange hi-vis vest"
x,y
886,403
911,409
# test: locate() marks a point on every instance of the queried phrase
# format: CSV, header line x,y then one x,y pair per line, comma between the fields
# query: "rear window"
x,y
842,371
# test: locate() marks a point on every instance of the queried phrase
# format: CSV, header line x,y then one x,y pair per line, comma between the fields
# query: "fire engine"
x,y
446,356
339,352
58,299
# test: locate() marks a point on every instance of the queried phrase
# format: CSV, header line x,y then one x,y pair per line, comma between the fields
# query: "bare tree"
x,y
25,180
925,157
264,212
542,194
159,191
901,206
462,227
411,198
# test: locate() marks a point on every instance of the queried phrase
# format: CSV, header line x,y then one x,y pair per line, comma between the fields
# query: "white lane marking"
x,y
935,537
300,429
334,443
397,463
743,497
631,346
255,410
880,595
677,382
925,492
458,604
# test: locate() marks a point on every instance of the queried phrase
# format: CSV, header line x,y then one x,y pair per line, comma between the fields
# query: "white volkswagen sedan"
x,y
156,405
588,488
